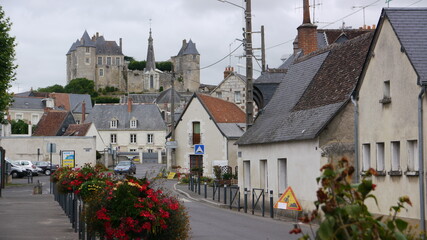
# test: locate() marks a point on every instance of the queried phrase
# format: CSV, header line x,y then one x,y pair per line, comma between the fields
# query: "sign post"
x,y
51,148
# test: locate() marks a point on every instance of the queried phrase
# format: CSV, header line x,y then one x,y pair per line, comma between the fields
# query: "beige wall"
x,y
123,140
227,89
27,114
215,143
25,148
395,121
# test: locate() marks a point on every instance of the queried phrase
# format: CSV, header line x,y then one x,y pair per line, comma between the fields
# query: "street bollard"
x,y
225,193
213,191
206,190
245,206
219,193
189,182
198,185
253,202
263,203
271,204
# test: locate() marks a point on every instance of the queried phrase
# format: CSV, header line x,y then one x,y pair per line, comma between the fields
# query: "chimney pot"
x,y
129,104
83,111
121,44
306,9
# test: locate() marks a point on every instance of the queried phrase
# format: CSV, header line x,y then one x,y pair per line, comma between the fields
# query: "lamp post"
x,y
249,64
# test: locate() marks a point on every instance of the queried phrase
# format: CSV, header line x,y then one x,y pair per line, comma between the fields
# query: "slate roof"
x,y
188,49
411,29
232,130
50,123
299,109
27,103
102,47
151,62
222,111
148,116
140,98
166,97
270,77
326,37
77,129
72,102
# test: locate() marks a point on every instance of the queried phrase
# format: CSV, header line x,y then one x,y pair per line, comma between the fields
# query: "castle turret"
x,y
151,63
187,67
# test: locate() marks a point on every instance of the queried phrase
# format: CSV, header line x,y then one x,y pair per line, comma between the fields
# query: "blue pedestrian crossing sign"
x,y
199,149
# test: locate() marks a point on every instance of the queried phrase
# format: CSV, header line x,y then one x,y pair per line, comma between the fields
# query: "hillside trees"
x,y
7,66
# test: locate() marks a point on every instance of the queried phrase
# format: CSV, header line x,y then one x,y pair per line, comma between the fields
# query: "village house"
x,y
214,123
232,88
391,98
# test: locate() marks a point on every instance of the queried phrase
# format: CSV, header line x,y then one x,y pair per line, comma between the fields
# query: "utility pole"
x,y
173,116
262,49
249,66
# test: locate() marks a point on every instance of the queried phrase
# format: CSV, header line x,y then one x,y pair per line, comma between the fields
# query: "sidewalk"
x,y
27,216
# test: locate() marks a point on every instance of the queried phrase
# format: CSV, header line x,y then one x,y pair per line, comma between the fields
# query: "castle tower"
x,y
187,67
151,79
151,63
81,59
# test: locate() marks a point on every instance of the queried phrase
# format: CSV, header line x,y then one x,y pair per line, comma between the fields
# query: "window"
x,y
219,94
19,116
101,72
247,174
77,121
150,138
99,60
132,149
150,150
366,156
114,123
133,138
108,60
196,133
386,93
113,138
87,60
263,170
380,157
196,161
282,168
133,123
34,119
237,97
117,61
395,156
412,155
87,49
151,81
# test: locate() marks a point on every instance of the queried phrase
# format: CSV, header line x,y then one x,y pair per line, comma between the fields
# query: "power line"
x,y
221,58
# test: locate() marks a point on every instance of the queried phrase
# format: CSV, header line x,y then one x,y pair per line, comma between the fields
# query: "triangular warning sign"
x,y
199,149
288,201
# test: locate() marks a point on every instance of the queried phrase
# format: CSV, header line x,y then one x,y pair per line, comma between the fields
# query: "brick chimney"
x,y
83,111
307,32
228,70
121,44
129,104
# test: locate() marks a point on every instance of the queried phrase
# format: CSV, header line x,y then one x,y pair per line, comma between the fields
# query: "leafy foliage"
x,y
164,66
345,214
54,88
19,127
81,86
106,100
137,65
7,67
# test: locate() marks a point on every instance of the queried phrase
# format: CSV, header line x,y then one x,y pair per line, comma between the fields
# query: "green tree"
x,y
81,86
164,66
54,88
7,67
19,127
137,65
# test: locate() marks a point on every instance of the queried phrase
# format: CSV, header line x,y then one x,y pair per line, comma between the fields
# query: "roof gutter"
x,y
356,137
420,158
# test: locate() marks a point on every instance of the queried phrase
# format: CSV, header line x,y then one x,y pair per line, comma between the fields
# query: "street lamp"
x,y
249,65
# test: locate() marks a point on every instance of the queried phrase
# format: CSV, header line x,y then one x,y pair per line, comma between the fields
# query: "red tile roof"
x,y
222,111
50,123
77,129
62,100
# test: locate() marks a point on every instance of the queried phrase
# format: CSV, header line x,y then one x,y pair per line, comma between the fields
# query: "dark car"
x,y
127,167
47,169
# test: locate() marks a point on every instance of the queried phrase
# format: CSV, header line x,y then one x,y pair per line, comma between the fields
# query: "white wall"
x,y
123,139
25,148
395,121
303,167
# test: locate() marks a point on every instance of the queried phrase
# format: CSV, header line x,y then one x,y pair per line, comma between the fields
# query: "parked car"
x,y
27,164
17,171
46,168
127,167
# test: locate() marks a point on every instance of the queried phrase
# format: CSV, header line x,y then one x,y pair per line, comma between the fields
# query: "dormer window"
x,y
114,123
133,123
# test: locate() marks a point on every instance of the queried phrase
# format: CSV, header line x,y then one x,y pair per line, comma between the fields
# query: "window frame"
x,y
366,156
114,123
101,72
150,138
113,138
133,138
100,60
108,62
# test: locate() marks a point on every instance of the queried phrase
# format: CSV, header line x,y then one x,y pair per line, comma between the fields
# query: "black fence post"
x,y
189,181
263,202
253,201
238,200
225,193
245,204
206,190
219,192
198,185
271,204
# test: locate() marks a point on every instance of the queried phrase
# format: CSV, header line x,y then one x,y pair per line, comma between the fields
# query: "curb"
x,y
198,199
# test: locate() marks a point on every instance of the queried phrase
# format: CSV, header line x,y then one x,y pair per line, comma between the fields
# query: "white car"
x,y
28,165
15,170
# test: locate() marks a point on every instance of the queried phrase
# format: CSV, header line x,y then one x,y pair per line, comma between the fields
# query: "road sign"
x,y
199,149
288,201
68,158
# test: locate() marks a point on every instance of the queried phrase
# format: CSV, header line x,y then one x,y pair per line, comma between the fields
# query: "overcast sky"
x,y
45,30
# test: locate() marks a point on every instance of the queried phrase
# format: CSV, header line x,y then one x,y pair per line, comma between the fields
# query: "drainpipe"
x,y
420,157
356,137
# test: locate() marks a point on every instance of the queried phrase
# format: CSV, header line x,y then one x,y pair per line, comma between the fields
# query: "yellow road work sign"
x,y
288,201
171,175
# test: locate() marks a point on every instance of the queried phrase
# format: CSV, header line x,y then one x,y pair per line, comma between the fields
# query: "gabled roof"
x,y
72,102
227,116
25,103
51,122
166,97
147,115
411,30
222,111
314,90
77,129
